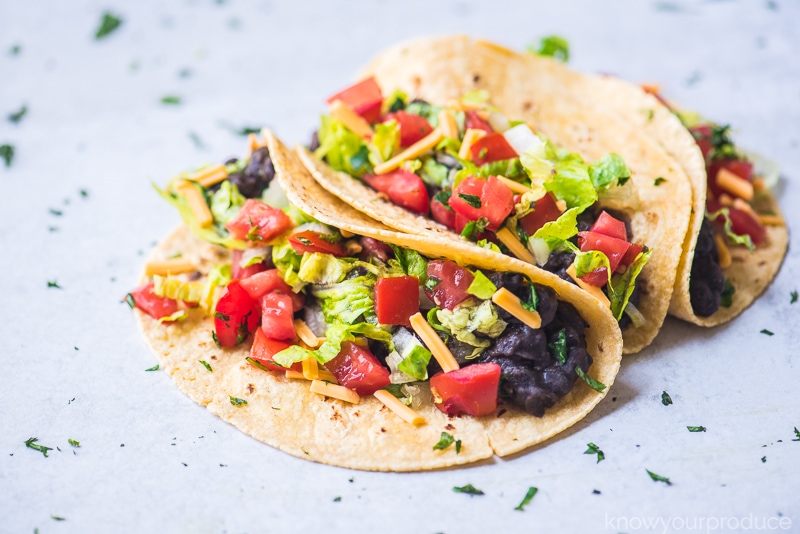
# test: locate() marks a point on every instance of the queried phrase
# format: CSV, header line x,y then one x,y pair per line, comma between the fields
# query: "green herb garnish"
x,y
15,50
726,298
444,441
658,478
796,433
794,297
472,200
474,228
57,213
763,459
198,143
16,117
527,499
171,100
658,181
532,303
552,46
7,153
257,364
129,300
443,198
54,284
57,518
360,159
468,489
767,332
696,428
558,348
206,365
591,382
31,444
236,401
337,499
108,25
594,449
156,367
666,400
73,442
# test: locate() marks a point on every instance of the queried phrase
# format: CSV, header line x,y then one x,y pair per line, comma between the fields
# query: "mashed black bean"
x,y
256,176
707,280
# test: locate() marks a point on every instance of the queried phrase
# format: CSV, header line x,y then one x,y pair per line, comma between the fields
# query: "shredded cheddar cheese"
x,y
334,391
734,184
511,303
168,267
418,148
470,136
253,142
211,175
594,291
771,220
310,369
393,403
514,245
722,251
515,186
434,343
447,122
348,117
305,334
197,202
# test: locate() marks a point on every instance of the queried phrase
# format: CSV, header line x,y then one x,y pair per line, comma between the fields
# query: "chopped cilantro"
x,y
54,284
198,143
767,332
666,400
31,444
206,365
171,100
658,478
360,159
15,50
84,193
444,441
236,401
216,341
156,367
658,181
244,131
527,498
443,198
796,433
7,153
473,228
431,283
73,442
129,300
552,46
108,25
257,364
721,145
696,428
594,449
458,446
558,348
57,518
468,489
337,499
763,459
16,117
472,200
532,303
57,213
726,299
591,382
794,297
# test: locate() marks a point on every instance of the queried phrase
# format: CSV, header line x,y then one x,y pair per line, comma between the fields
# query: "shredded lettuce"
x,y
226,202
287,261
434,173
481,287
415,362
586,262
342,149
347,301
470,317
610,170
385,141
219,276
429,111
395,102
334,337
179,315
552,46
175,288
555,234
572,182
622,285
411,263
319,268
743,239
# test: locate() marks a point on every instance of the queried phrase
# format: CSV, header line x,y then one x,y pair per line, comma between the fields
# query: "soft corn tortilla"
x,y
439,69
285,414
750,273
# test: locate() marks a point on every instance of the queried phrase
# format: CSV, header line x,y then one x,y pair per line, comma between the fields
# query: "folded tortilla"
x,y
438,69
285,414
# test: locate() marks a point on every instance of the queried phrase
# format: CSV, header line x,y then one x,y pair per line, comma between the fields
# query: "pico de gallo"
x,y
357,316
494,181
736,215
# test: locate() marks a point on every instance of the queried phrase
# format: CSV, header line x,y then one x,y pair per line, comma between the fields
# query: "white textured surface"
x,y
96,123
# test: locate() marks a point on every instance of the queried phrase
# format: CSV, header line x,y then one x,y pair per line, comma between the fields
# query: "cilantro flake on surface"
x,y
15,50
109,24
171,100
666,400
17,116
57,213
658,478
591,382
552,46
206,365
763,459
129,300
796,433
337,499
726,299
472,200
658,181
58,518
594,449
156,367
696,428
7,153
73,442
444,441
31,444
236,401
527,498
469,489
53,283
198,143
767,332
793,298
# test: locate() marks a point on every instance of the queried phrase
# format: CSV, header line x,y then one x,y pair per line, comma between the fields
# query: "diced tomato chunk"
x,y
443,214
597,278
412,127
310,241
364,98
374,248
447,283
745,224
270,281
257,221
403,188
355,367
475,122
491,147
544,211
396,299
612,247
475,198
630,256
471,390
237,271
156,307
235,316
265,348
608,225
277,316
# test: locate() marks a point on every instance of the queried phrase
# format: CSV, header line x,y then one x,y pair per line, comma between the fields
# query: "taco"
x,y
737,237
469,139
247,302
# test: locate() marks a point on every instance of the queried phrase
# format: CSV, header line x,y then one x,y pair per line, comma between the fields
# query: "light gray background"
x,y
95,121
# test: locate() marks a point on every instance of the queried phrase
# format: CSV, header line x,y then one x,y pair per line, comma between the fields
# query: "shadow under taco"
x,y
489,148
266,329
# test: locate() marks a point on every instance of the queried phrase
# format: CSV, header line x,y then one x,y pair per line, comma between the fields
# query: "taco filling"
x,y
495,182
357,316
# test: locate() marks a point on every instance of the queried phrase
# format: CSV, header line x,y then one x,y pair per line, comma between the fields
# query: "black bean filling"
x,y
707,280
532,377
256,176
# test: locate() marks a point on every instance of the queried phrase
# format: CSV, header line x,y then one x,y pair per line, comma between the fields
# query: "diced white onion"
x,y
314,227
274,196
637,319
498,121
314,318
251,255
538,247
522,139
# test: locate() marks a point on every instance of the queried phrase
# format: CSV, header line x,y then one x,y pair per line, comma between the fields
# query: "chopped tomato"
x,y
597,278
265,348
447,283
403,188
277,316
355,367
475,122
364,98
544,211
612,247
396,299
443,214
235,316
270,281
471,390
702,135
412,127
310,241
608,225
257,221
237,271
743,223
630,256
475,198
156,307
491,147
372,247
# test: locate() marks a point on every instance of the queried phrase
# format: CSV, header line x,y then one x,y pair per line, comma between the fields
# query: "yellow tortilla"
x,y
750,273
285,414
442,68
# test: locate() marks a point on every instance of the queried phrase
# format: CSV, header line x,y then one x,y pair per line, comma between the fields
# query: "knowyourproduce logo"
x,y
665,525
